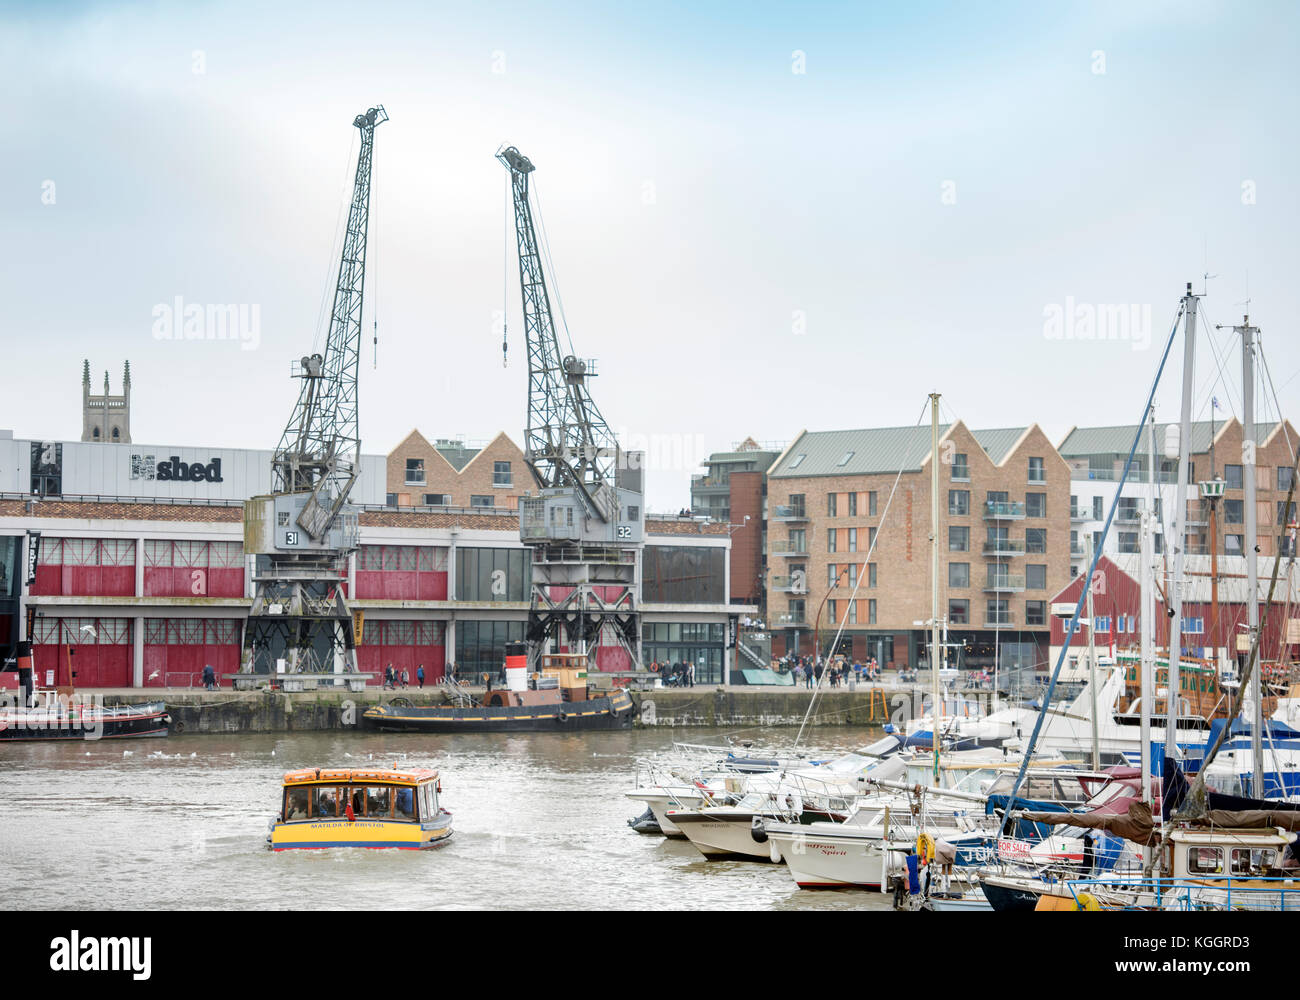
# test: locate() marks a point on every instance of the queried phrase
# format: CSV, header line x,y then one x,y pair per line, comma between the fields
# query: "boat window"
x,y
1251,861
297,803
426,803
404,803
357,795
1205,861
379,800
327,802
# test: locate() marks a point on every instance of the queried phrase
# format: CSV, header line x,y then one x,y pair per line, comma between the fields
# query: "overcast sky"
x,y
764,217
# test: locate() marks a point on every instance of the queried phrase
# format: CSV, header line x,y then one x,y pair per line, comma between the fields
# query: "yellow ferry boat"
x,y
345,808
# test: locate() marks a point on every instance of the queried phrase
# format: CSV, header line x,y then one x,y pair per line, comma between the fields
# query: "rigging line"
x,y
506,214
857,584
1277,405
1219,363
336,250
1092,569
550,266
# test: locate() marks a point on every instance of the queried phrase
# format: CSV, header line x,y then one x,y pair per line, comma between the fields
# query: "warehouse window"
x,y
414,471
501,474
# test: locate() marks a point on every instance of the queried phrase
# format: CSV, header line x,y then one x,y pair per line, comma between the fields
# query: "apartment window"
x,y
959,574
960,470
853,537
1035,612
1036,576
853,613
1285,515
798,609
1075,510
437,500
414,471
481,501
1233,512
795,501
871,574
1232,476
830,539
959,612
871,611
501,474
1234,545
1036,540
1285,546
798,540
1128,543
1098,511
1284,474
831,504
958,538
997,496
832,576
390,499
997,612
871,504
1035,505
958,502
1037,471
831,612
871,538
853,505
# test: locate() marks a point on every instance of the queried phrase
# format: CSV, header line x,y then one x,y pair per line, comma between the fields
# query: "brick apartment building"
x,y
1096,458
1003,532
734,491
449,473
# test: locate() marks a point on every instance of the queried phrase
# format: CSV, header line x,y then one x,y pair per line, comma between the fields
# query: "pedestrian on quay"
x,y
388,676
690,673
808,676
419,676
209,678
406,678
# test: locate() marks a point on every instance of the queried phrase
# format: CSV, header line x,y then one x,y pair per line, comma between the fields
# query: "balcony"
x,y
999,621
789,512
790,584
785,547
1077,551
1081,514
995,510
705,485
1004,583
792,619
1004,547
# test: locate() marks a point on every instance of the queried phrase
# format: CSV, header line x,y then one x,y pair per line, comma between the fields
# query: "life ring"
x,y
924,848
1086,901
654,668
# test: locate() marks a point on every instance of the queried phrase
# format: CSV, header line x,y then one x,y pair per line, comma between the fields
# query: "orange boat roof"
x,y
322,776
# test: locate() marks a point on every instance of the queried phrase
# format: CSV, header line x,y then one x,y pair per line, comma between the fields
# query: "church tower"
x,y
106,418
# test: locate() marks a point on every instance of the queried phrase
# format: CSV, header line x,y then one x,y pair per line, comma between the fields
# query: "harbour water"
x,y
540,823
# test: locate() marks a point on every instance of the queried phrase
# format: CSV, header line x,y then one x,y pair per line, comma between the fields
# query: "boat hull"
x,y
721,838
374,834
40,725
613,712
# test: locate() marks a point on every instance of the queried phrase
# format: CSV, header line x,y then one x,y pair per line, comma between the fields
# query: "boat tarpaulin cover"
x,y
1175,787
1136,825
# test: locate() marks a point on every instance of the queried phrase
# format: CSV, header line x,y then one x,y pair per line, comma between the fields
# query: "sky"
x,y
763,218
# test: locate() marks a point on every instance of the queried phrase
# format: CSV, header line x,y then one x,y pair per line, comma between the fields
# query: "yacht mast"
x,y
934,578
1092,665
1147,610
1252,555
1173,684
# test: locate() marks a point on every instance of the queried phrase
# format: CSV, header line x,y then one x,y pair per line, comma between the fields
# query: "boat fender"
x,y
774,852
756,830
178,726
1086,901
562,717
925,848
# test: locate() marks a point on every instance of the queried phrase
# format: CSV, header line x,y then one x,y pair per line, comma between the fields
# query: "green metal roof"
x,y
458,457
1084,441
879,449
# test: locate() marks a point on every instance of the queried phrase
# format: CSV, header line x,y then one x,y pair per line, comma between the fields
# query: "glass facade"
x,y
701,643
672,574
492,574
481,647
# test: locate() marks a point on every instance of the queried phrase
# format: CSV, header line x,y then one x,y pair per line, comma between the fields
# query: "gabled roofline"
x,y
788,448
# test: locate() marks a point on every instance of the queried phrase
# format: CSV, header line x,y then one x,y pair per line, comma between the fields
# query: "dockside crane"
x,y
584,525
300,625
